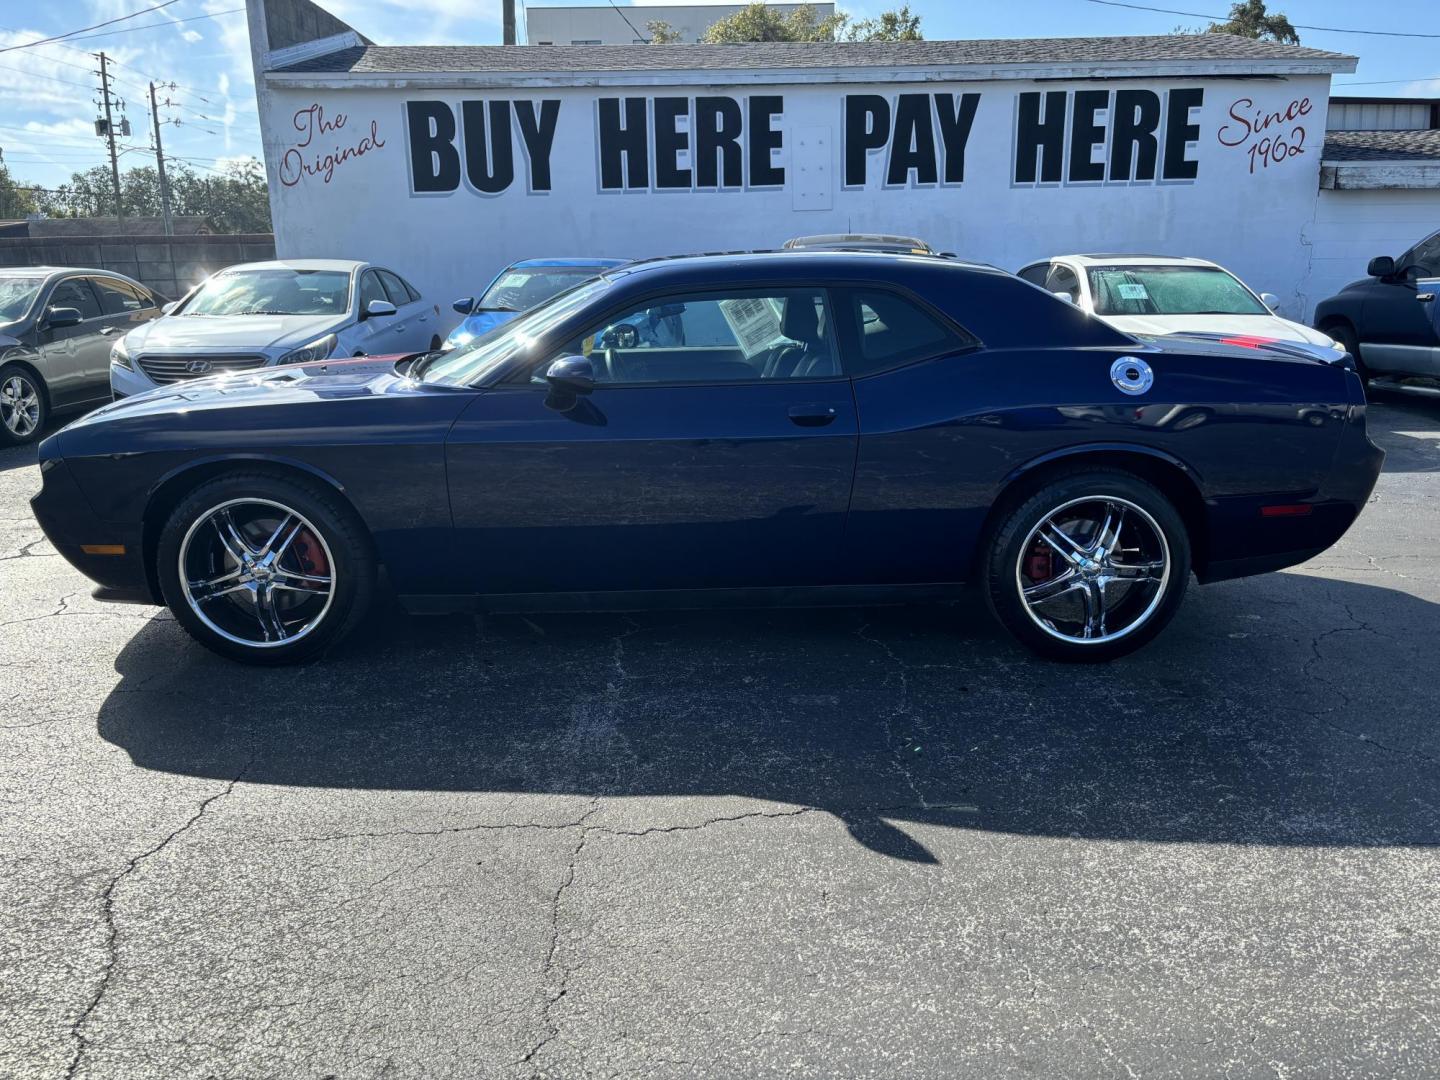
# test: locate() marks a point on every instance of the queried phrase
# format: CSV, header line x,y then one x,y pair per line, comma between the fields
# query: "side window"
x,y
1035,275
738,336
1426,256
893,331
371,289
76,293
1062,279
414,295
394,288
116,297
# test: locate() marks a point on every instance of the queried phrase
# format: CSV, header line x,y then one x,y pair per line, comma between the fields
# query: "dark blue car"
x,y
520,287
790,427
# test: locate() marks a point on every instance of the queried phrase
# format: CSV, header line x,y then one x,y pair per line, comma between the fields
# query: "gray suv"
x,y
56,329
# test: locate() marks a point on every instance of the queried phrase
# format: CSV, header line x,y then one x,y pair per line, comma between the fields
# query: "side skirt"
x,y
686,599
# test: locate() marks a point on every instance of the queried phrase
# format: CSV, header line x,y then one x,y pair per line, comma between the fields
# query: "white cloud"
x,y
192,36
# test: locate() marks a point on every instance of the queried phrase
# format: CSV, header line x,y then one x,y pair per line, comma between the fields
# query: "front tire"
x,y
1344,333
265,569
23,406
1090,567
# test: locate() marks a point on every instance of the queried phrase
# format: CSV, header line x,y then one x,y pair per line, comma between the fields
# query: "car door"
x,y
413,324
716,450
124,306
71,355
373,335
1398,325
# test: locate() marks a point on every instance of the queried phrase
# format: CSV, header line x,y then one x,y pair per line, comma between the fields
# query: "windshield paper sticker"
x,y
1133,291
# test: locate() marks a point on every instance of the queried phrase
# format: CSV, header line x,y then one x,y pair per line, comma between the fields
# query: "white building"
x,y
449,162
626,24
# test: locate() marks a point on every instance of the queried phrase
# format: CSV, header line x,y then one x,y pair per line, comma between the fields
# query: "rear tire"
x,y
266,569
1090,567
24,408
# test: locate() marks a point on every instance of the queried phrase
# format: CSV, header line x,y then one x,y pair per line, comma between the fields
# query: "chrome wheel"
x,y
1093,570
19,405
257,572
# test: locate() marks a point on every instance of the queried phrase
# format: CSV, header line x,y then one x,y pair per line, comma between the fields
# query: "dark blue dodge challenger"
x,y
792,427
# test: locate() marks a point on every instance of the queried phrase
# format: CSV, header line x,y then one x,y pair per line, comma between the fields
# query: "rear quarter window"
x,y
890,331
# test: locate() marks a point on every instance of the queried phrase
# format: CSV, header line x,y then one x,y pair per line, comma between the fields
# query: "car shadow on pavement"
x,y
1287,710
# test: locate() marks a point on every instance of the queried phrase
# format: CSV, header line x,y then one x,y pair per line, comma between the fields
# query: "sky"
x,y
47,92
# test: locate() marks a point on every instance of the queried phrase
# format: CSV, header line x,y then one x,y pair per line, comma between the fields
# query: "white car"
x,y
1155,295
292,311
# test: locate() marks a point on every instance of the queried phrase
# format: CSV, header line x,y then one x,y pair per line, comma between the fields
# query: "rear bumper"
x,y
1246,542
72,526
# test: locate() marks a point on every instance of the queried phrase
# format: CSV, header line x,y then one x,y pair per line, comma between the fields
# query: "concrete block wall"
x,y
169,265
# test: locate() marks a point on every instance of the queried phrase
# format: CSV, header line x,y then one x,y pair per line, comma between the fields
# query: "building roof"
x,y
1236,55
1420,147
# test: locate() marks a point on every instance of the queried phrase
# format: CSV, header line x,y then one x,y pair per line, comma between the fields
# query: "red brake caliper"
x,y
310,554
1039,564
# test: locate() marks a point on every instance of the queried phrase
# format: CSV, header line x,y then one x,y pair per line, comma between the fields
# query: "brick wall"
x,y
169,265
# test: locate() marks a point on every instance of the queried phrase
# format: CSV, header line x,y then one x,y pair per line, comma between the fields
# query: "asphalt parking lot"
x,y
800,844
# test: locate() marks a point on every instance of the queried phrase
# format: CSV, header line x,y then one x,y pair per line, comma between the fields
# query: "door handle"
x,y
1425,297
812,415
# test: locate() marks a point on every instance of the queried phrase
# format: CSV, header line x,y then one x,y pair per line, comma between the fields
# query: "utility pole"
x,y
160,164
110,138
507,8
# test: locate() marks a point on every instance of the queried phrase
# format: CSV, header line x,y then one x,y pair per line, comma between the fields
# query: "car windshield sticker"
x,y
1132,291
755,323
513,281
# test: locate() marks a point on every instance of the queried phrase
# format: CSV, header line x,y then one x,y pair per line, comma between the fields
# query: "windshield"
x,y
277,291
16,296
1170,290
463,365
522,288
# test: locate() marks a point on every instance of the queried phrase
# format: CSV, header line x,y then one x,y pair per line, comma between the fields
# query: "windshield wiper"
x,y
479,309
418,364
262,311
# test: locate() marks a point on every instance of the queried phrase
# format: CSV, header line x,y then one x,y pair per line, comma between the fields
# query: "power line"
x,y
72,33
1226,18
628,23
51,78
159,25
1388,82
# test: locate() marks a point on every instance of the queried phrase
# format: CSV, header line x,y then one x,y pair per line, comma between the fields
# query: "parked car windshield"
x,y
274,291
524,287
16,296
462,366
1170,290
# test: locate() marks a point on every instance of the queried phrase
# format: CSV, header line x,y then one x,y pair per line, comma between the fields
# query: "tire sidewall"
x,y
8,437
353,563
1002,590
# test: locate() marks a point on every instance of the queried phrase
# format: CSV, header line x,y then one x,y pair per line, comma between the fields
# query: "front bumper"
x,y
116,559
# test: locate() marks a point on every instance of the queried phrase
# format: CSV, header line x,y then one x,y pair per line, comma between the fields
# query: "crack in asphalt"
x,y
112,933
901,709
26,553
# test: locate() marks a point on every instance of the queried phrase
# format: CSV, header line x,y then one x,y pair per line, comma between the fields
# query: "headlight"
x,y
458,338
120,355
318,349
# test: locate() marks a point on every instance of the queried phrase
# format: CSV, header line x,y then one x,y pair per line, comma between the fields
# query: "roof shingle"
x,y
1417,146
394,59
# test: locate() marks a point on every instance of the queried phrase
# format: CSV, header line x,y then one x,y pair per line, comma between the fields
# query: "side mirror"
x,y
465,305
1270,300
571,373
62,316
376,308
166,309
1382,266
1061,294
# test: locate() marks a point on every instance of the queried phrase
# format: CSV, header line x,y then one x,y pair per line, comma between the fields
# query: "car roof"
x,y
1128,259
51,271
603,263
347,265
863,265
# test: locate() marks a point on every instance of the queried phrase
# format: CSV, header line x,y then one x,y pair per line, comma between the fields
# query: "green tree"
x,y
760,22
661,32
899,25
1248,18
15,200
233,199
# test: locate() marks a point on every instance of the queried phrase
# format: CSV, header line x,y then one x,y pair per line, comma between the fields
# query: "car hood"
x,y
229,332
1249,326
331,380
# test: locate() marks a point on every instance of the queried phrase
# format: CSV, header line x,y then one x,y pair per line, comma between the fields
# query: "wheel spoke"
x,y
306,583
1062,544
1058,586
1107,538
274,536
270,623
279,552
1147,571
231,537
217,586
1094,596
